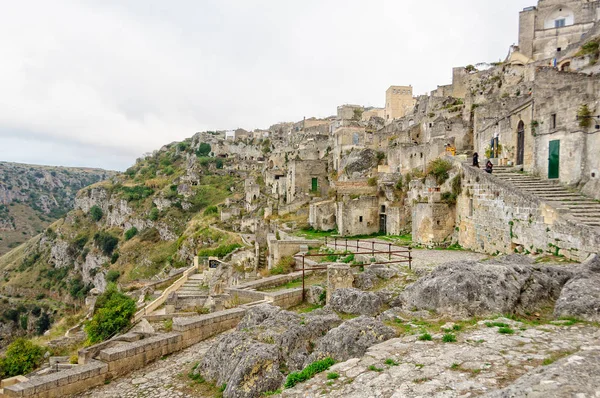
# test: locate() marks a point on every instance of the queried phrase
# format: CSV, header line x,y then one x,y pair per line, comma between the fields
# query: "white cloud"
x,y
116,79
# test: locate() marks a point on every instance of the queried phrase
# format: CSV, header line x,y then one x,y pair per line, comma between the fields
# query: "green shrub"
x,y
284,266
24,321
136,192
130,233
22,356
112,314
96,213
43,323
211,211
114,257
439,168
374,368
425,337
583,114
105,242
391,362
308,372
372,181
112,275
220,251
78,289
154,213
203,150
505,330
332,376
449,338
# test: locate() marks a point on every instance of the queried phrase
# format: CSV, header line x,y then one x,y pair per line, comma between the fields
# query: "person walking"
x,y
476,160
489,167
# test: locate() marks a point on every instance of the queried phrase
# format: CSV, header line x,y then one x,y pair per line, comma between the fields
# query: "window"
x,y
383,208
553,121
560,23
360,219
470,207
559,49
315,184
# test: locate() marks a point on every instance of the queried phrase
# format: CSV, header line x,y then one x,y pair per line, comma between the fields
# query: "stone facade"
x,y
432,223
548,29
398,102
358,216
303,176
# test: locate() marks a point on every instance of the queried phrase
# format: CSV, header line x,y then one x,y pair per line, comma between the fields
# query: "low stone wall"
x,y
286,298
128,357
199,328
71,381
283,248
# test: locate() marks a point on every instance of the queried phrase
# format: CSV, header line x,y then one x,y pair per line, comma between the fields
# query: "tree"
x,y
105,242
96,213
130,233
203,150
43,323
22,356
112,315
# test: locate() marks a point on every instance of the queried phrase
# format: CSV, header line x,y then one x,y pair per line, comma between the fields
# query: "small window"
x,y
553,121
360,219
560,23
383,208
559,49
470,207
315,184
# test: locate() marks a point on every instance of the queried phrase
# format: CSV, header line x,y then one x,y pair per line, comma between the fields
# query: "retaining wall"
x,y
195,329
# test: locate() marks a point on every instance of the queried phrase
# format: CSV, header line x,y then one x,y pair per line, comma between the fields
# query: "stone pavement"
x,y
482,360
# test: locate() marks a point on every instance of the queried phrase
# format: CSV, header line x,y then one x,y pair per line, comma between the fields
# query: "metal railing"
x,y
369,247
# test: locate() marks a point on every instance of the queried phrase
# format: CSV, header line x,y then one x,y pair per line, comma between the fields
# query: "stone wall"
x,y
283,248
195,329
61,384
358,216
494,217
300,177
432,223
322,215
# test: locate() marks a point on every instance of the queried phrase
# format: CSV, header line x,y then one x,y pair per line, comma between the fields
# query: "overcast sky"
x,y
98,83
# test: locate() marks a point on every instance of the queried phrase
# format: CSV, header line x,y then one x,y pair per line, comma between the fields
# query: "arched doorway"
x,y
520,142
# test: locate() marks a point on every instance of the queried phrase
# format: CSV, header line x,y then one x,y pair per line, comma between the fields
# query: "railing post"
x,y
372,248
303,294
357,241
346,244
335,244
389,251
409,259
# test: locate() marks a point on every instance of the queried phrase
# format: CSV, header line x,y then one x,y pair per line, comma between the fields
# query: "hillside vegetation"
x,y
138,226
32,197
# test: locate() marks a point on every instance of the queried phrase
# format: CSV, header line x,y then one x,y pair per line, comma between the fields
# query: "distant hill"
x,y
33,196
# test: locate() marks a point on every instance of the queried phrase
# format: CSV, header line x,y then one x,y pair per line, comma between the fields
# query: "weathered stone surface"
x,y
339,276
472,288
580,297
365,280
351,339
354,301
316,295
361,161
248,360
577,375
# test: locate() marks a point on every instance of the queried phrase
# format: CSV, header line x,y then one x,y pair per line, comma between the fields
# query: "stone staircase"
x,y
194,286
582,208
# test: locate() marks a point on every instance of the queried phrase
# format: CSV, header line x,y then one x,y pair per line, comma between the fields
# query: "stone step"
x,y
255,303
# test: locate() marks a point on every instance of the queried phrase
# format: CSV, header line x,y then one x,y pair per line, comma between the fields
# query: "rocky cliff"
x,y
33,196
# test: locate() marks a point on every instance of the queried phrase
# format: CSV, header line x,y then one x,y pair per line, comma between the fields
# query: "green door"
x,y
554,159
315,184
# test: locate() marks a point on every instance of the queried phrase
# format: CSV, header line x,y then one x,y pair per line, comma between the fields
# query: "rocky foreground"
x,y
440,336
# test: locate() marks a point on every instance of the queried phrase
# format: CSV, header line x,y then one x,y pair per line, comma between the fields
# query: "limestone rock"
x,y
580,297
354,301
365,280
351,339
361,161
316,295
577,375
471,288
267,338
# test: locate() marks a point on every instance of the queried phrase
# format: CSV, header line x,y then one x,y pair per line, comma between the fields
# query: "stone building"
x,y
548,29
398,102
306,177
